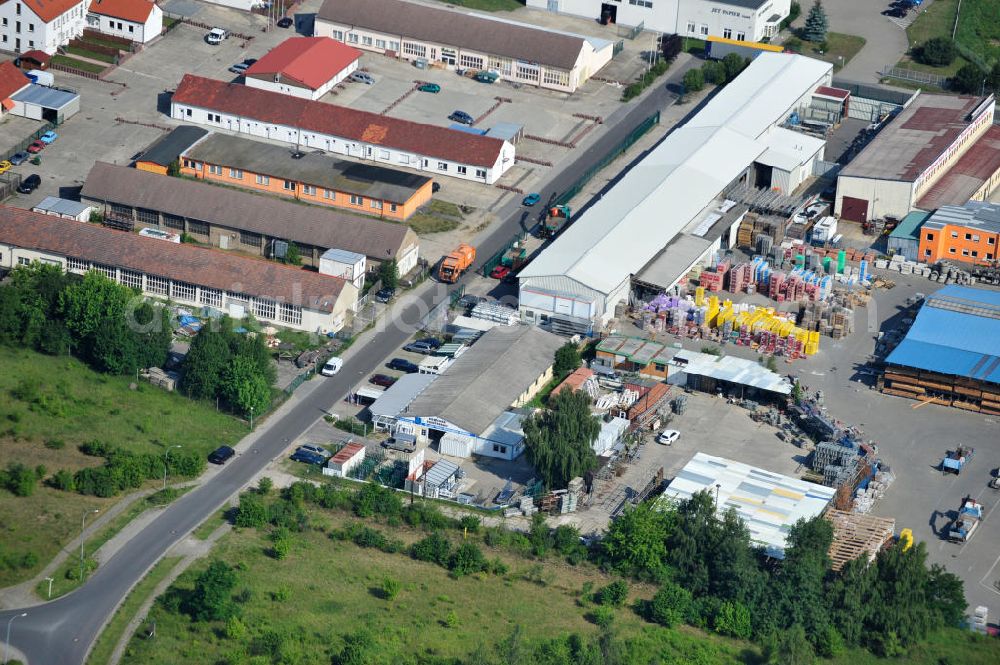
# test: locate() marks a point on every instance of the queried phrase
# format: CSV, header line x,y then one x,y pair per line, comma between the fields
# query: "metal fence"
x,y
612,154
914,76
634,32
495,260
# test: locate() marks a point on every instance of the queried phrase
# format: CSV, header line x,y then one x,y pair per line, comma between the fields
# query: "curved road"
x,y
61,632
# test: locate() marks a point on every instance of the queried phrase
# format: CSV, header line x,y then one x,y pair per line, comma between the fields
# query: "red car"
x,y
383,380
36,147
500,272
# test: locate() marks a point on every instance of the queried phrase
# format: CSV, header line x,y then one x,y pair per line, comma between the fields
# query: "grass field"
x,y
438,217
62,404
840,49
979,29
936,21
435,614
93,55
488,5
77,64
105,645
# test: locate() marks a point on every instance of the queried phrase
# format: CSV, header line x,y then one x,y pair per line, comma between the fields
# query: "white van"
x,y
332,366
215,36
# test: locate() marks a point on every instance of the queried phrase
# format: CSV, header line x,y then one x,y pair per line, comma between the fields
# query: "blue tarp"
x,y
190,322
963,343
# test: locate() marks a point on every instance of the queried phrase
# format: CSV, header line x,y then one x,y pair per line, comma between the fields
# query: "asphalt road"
x,y
61,632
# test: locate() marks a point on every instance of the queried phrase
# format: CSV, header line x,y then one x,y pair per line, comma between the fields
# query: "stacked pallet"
x,y
857,535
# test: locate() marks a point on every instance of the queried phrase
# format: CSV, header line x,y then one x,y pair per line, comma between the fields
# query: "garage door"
x,y
854,210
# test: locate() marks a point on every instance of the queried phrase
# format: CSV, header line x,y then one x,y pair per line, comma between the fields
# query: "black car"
x,y
461,117
221,455
285,22
308,457
435,188
403,365
250,61
895,12
385,295
29,184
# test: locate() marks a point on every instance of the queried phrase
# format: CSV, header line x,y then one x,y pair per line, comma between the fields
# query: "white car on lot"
x,y
668,436
332,366
363,77
215,36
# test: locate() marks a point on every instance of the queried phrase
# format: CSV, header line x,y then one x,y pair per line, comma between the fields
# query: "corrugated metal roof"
x,y
343,256
50,98
61,206
770,503
398,396
440,473
955,332
974,214
734,370
679,178
909,227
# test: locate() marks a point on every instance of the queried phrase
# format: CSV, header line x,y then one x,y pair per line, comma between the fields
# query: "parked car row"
x,y
899,8
311,454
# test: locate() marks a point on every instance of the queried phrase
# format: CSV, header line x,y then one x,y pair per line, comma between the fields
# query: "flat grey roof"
x,y
50,98
342,255
745,4
485,381
974,214
440,472
168,148
314,168
673,261
61,206
398,396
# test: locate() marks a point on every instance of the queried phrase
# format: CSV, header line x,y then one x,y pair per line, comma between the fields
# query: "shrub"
x,y
452,619
670,605
937,52
469,523
18,479
235,629
614,594
467,559
603,616
713,72
969,79
210,600
434,548
367,537
390,588
251,513
264,485
793,13
733,619
694,80
55,444
374,499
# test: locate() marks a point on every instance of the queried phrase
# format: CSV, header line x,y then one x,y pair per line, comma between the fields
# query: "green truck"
x,y
557,219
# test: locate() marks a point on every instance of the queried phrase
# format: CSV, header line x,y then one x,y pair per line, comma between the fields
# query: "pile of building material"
x,y
857,535
948,273
900,264
755,226
491,311
827,319
160,378
979,620
867,497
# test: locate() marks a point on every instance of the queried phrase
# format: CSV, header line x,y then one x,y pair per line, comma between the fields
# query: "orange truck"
x,y
456,263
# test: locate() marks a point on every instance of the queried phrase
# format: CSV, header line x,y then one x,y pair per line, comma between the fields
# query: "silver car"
x,y
315,450
363,77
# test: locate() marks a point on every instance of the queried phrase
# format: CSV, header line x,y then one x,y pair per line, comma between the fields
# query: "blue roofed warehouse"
x,y
951,354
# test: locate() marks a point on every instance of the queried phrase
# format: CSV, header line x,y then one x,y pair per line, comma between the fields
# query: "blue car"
x,y
19,158
308,457
531,199
48,137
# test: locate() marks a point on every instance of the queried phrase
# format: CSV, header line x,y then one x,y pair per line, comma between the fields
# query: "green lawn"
x,y
936,21
302,616
71,405
77,64
108,640
210,525
101,41
488,5
840,49
93,55
424,223
979,28
62,584
446,208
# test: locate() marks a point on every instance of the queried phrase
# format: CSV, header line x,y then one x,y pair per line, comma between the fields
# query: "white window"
x,y
23,261
954,234
77,265
107,271
556,77
480,173
290,314
393,46
263,309
329,195
376,205
965,252
366,40
289,185
130,278
471,61
157,285
338,35
236,174
691,27
975,238
741,36
309,189
210,297
383,154
182,291
392,207
352,38
442,166
380,43
927,252
419,50
527,72
251,239
461,170
263,180
357,200
727,33
704,29
403,159
214,170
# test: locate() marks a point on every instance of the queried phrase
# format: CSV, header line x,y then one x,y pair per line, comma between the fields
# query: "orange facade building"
x,y
311,177
969,233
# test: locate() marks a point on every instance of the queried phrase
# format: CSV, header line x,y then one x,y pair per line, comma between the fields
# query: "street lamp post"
x,y
83,523
166,461
251,418
6,645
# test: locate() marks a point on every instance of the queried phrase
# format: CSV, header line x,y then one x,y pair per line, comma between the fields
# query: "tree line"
x,y
712,576
107,325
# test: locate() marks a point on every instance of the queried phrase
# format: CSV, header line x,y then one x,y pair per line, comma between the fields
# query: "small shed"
x,y
344,264
346,459
57,207
611,433
506,131
905,238
451,349
41,102
435,364
440,480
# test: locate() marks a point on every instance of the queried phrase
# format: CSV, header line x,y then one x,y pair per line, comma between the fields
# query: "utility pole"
x,y
83,523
